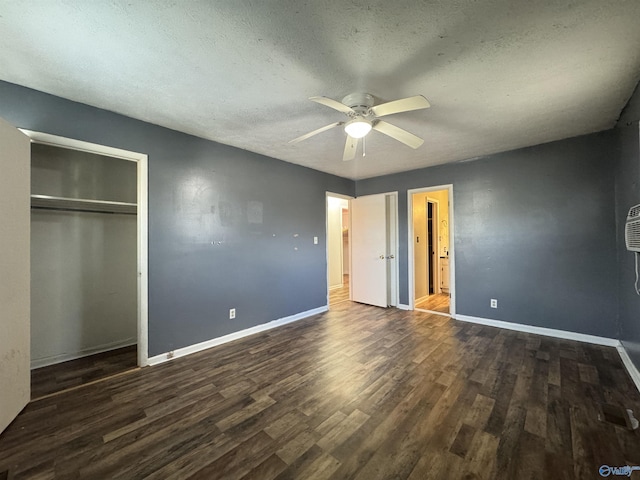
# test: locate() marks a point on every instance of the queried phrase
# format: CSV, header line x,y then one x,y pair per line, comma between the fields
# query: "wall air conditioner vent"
x,y
632,236
632,229
634,213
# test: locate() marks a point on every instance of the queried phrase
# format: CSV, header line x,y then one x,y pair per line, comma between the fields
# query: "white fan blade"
x,y
315,132
398,133
350,149
403,105
329,102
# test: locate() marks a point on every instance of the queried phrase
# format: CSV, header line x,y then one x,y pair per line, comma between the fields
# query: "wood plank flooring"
x,y
355,393
58,377
341,294
438,302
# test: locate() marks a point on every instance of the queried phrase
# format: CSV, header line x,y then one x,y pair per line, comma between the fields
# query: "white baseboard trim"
x,y
198,347
548,332
403,306
65,357
631,368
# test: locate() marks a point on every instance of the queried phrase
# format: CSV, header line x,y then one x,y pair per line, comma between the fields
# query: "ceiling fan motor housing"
x,y
363,117
360,103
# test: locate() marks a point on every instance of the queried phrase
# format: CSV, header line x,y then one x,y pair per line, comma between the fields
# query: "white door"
x,y
369,249
15,218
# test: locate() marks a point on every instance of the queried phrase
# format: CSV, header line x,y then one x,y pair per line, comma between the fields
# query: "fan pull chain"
x,y
364,153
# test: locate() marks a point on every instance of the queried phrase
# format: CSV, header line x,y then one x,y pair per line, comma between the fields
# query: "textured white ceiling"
x,y
499,74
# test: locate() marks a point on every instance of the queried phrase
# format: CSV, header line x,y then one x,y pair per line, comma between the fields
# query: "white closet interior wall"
x,y
83,268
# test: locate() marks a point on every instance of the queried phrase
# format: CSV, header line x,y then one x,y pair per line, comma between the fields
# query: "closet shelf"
x,y
82,205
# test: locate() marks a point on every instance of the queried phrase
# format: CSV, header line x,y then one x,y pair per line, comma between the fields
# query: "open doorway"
x,y
338,249
430,247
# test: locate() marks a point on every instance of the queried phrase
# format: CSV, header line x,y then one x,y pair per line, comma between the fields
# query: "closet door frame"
x,y
142,221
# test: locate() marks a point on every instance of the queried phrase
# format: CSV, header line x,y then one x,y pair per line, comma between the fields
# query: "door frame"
x,y
394,295
142,221
326,234
411,253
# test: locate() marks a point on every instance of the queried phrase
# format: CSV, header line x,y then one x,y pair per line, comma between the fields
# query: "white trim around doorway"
x,y
395,252
142,218
410,250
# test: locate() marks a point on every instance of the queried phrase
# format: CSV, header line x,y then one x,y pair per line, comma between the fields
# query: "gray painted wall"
x,y
628,194
227,228
534,228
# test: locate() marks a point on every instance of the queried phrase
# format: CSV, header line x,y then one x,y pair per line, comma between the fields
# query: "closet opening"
x,y
88,263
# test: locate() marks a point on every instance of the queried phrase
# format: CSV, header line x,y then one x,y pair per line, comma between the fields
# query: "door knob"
x,y
391,256
381,257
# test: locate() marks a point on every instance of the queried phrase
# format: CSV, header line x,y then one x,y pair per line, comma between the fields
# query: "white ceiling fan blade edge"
x,y
398,133
331,103
408,104
350,149
315,132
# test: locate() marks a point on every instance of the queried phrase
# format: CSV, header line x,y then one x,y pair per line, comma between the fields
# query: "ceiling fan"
x,y
363,116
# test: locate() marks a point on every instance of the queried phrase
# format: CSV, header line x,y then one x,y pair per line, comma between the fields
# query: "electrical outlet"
x,y
232,313
315,240
494,303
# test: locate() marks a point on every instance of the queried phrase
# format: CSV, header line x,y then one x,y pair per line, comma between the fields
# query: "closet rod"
x,y
46,202
82,210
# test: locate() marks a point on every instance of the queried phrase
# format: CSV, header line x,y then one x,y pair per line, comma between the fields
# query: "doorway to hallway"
x,y
338,248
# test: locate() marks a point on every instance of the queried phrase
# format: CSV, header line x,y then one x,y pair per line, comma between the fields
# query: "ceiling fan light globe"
x,y
357,128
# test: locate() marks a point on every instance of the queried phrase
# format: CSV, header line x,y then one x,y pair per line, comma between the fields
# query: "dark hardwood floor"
x,y
438,302
357,392
73,373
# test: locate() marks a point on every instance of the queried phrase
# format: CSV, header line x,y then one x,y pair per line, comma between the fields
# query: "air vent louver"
x,y
632,229
634,213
